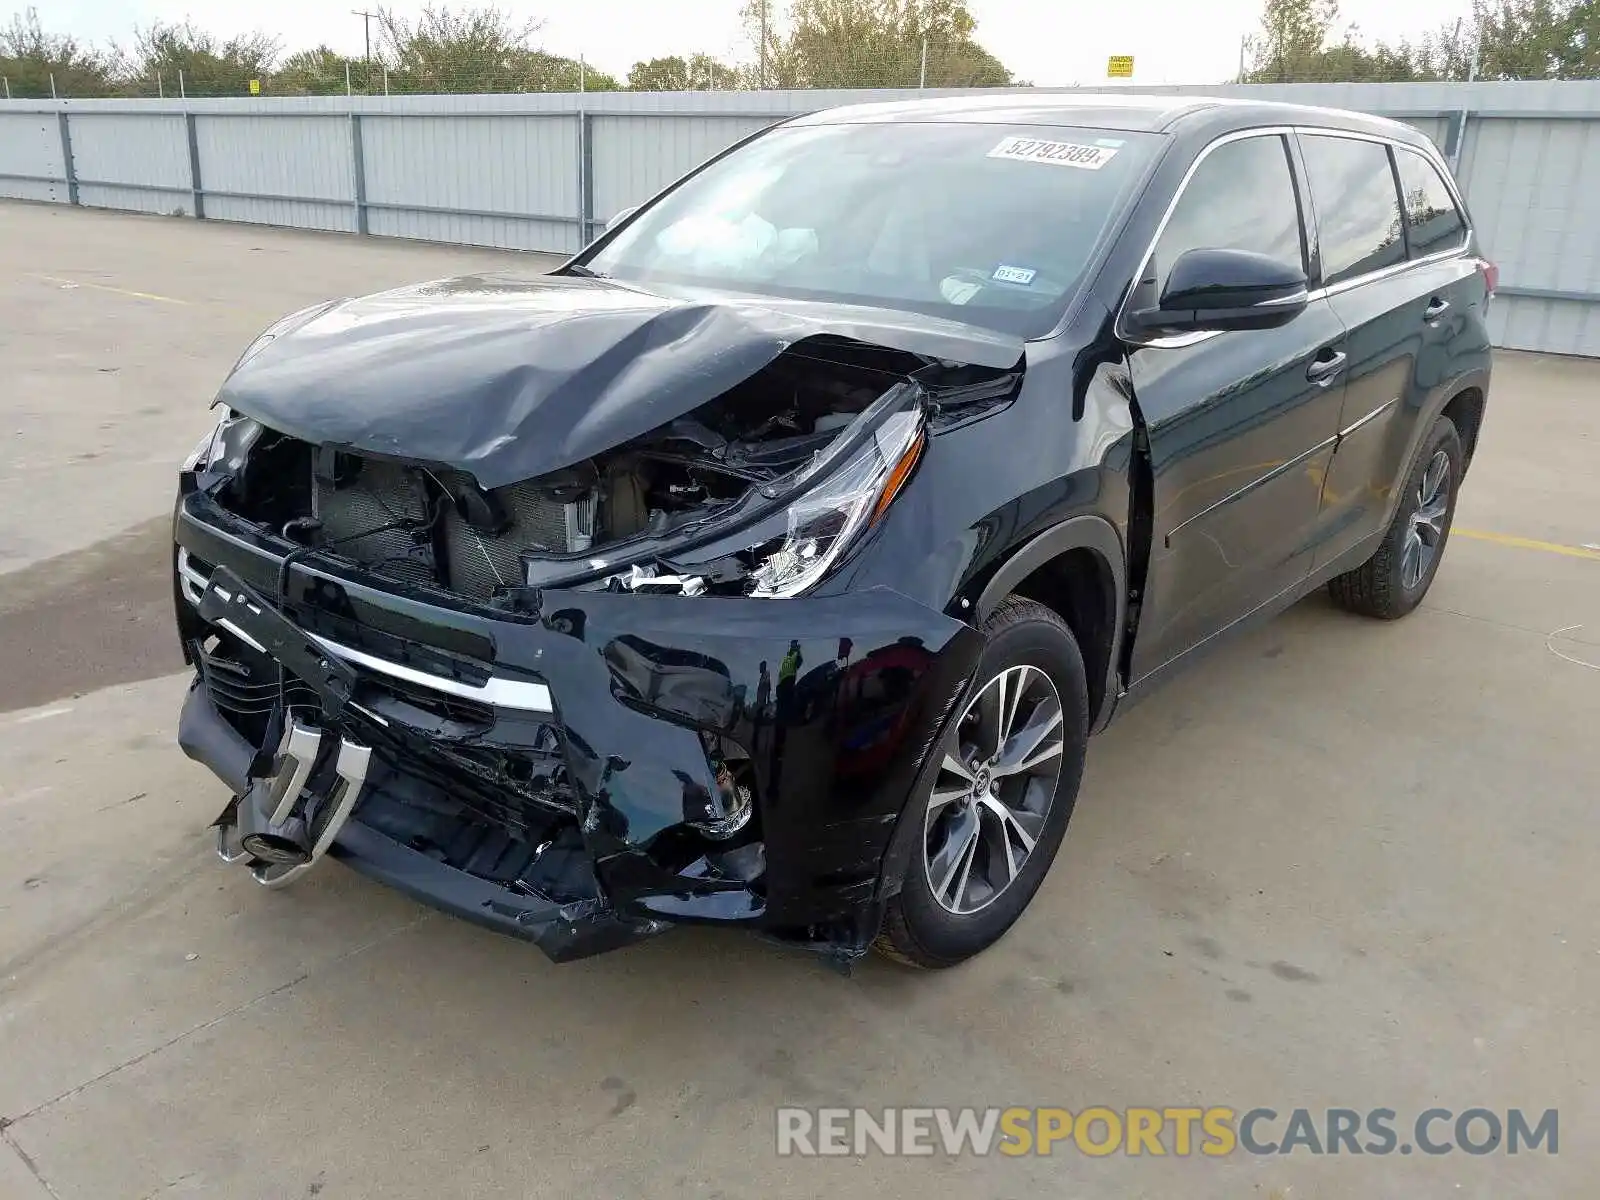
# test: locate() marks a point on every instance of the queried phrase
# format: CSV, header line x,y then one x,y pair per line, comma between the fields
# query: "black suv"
x,y
771,562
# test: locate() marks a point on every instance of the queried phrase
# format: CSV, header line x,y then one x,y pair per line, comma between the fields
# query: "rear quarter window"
x,y
1433,222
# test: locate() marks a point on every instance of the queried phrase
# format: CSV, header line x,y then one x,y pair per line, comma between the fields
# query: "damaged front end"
x,y
585,705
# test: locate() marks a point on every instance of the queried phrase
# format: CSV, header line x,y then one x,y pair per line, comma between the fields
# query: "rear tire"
x,y
990,824
1395,579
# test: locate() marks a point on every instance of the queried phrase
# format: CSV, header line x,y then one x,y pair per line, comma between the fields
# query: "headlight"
x,y
226,446
853,496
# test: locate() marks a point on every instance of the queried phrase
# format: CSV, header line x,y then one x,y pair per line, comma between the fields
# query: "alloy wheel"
x,y
993,790
1425,531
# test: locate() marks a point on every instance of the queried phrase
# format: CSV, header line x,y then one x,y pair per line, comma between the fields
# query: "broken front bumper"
x,y
563,775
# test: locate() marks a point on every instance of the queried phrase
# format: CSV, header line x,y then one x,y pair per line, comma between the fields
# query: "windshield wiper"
x,y
584,272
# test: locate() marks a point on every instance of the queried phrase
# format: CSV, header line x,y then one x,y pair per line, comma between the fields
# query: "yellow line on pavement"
x,y
1522,543
106,287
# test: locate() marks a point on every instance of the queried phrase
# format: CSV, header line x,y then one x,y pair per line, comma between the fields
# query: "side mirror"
x,y
1216,290
620,217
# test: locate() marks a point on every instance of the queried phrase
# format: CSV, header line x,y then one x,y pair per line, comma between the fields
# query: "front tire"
x,y
1395,579
994,817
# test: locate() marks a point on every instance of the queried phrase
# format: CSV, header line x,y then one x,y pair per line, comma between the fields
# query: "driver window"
x,y
1241,197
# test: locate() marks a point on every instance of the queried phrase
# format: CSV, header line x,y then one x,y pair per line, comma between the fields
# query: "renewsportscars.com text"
x,y
1214,1132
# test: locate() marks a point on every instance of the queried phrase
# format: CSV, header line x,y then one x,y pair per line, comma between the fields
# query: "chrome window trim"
x,y
1427,151
497,691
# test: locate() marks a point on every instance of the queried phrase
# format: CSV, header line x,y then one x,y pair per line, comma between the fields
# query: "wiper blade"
x,y
582,271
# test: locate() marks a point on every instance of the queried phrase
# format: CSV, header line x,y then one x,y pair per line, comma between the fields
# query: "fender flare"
x,y
1083,532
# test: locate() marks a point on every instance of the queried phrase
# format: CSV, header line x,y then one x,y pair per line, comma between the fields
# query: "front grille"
x,y
242,682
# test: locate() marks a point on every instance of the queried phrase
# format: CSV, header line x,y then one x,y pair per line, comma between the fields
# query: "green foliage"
x,y
211,66
322,72
29,57
476,50
697,73
1514,39
814,44
871,44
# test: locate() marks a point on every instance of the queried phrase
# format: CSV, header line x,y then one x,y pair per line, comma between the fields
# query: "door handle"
x,y
1322,370
1436,309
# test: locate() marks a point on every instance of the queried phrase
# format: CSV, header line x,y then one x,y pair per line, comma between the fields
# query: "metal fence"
x,y
544,171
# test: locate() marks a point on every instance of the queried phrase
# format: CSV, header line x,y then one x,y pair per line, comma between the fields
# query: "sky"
x,y
1047,42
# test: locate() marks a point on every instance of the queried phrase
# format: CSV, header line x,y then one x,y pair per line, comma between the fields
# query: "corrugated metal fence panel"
x,y
132,148
304,163
1534,187
505,164
1549,326
497,175
30,144
1436,129
636,156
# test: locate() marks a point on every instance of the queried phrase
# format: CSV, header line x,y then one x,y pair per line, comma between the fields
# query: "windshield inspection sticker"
x,y
1062,154
1022,275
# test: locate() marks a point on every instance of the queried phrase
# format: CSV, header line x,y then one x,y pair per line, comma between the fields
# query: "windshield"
x,y
986,224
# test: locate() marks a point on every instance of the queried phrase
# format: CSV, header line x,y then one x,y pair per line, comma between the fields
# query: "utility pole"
x,y
582,69
52,85
366,29
922,79
763,83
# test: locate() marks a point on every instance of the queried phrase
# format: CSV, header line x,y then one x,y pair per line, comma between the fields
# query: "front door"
x,y
1241,425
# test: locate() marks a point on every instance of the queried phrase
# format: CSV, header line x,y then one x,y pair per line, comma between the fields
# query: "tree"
x,y
1537,39
476,50
1514,39
697,73
1291,45
872,43
321,72
210,66
29,57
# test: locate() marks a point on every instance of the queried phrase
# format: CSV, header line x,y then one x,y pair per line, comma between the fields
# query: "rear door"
x,y
1394,263
1241,425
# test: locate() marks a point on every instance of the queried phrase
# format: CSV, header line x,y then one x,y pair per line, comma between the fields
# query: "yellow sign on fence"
x,y
1119,66
255,87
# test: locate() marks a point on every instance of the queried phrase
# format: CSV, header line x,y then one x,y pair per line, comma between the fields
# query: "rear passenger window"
x,y
1432,219
1358,209
1240,197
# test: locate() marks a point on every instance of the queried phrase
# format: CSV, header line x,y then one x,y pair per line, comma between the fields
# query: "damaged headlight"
x,y
226,446
852,496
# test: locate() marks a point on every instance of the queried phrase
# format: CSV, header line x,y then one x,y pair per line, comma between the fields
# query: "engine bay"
x,y
430,525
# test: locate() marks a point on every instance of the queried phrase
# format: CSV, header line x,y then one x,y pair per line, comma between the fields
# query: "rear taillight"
x,y
1491,275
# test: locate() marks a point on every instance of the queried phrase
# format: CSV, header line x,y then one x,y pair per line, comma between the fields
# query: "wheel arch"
x,y
1078,569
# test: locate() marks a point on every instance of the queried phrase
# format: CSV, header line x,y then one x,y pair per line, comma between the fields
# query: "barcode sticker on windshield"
x,y
1062,154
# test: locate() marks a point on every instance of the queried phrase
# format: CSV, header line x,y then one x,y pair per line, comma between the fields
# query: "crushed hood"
x,y
512,377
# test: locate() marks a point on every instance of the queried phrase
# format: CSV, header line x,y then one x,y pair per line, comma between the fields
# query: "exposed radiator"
x,y
476,562
381,493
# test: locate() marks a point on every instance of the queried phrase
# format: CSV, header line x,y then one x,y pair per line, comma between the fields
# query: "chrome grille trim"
x,y
497,691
